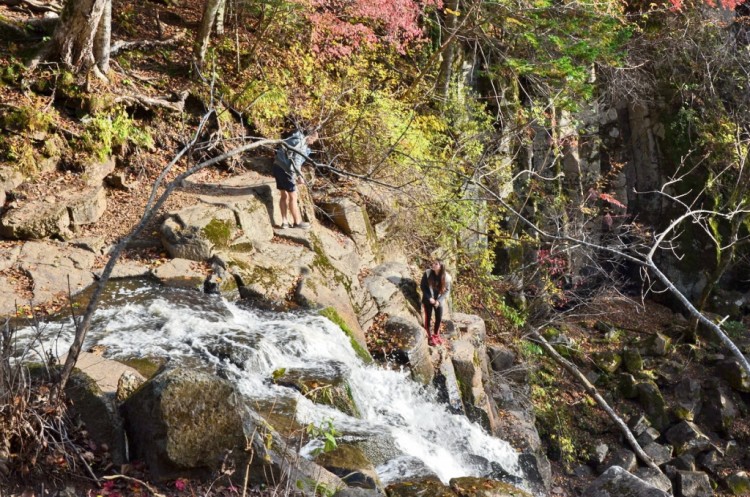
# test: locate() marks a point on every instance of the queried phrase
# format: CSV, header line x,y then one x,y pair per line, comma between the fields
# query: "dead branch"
x,y
121,46
592,391
150,103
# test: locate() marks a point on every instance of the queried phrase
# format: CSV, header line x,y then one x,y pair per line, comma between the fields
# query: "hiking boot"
x,y
303,225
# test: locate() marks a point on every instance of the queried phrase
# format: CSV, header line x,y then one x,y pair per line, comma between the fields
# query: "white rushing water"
x,y
248,345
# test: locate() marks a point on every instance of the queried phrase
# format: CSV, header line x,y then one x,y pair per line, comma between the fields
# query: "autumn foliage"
x,y
339,27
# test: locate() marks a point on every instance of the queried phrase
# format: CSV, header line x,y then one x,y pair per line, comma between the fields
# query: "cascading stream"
x,y
248,345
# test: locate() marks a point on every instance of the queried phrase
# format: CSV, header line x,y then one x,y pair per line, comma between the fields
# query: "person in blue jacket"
x,y
435,286
287,170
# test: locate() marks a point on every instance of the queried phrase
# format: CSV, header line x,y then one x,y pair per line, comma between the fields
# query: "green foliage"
x,y
327,433
109,132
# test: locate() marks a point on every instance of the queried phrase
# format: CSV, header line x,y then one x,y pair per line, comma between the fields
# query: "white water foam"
x,y
248,346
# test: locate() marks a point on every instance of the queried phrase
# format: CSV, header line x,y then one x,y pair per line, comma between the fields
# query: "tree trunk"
x,y
220,14
103,40
204,32
83,24
449,56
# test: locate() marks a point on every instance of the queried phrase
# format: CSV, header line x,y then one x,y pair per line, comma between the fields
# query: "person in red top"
x,y
435,286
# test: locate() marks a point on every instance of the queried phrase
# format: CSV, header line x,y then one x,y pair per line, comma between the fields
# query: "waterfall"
x,y
247,345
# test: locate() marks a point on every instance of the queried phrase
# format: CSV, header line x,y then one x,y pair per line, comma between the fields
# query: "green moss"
x,y
333,316
147,366
218,232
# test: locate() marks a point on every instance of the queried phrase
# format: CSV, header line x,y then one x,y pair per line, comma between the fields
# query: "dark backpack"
x,y
284,155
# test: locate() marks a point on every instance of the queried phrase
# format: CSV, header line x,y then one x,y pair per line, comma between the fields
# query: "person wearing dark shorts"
x,y
287,171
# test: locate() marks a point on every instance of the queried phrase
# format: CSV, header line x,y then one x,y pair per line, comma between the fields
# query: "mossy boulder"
x,y
739,483
195,233
632,360
420,488
469,486
182,423
607,361
327,386
350,464
653,404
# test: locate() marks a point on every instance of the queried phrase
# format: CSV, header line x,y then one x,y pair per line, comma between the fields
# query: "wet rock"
x,y
447,385
420,488
359,492
693,484
686,437
350,464
179,273
616,482
470,486
501,358
327,386
414,349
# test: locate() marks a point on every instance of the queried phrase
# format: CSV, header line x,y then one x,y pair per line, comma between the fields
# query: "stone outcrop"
x,y
616,482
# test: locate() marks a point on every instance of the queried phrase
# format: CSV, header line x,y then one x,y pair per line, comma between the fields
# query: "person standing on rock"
x,y
436,286
287,170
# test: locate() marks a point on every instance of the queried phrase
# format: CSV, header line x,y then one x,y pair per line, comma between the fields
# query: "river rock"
x,y
350,464
414,347
179,273
56,268
182,422
479,406
327,385
93,393
196,232
36,220
469,486
420,488
447,385
11,297
616,482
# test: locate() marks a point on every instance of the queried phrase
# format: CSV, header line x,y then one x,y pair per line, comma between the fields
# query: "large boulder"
x,y
353,220
470,486
414,348
95,389
431,486
36,220
196,232
87,206
349,463
393,290
469,372
687,438
183,422
616,482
